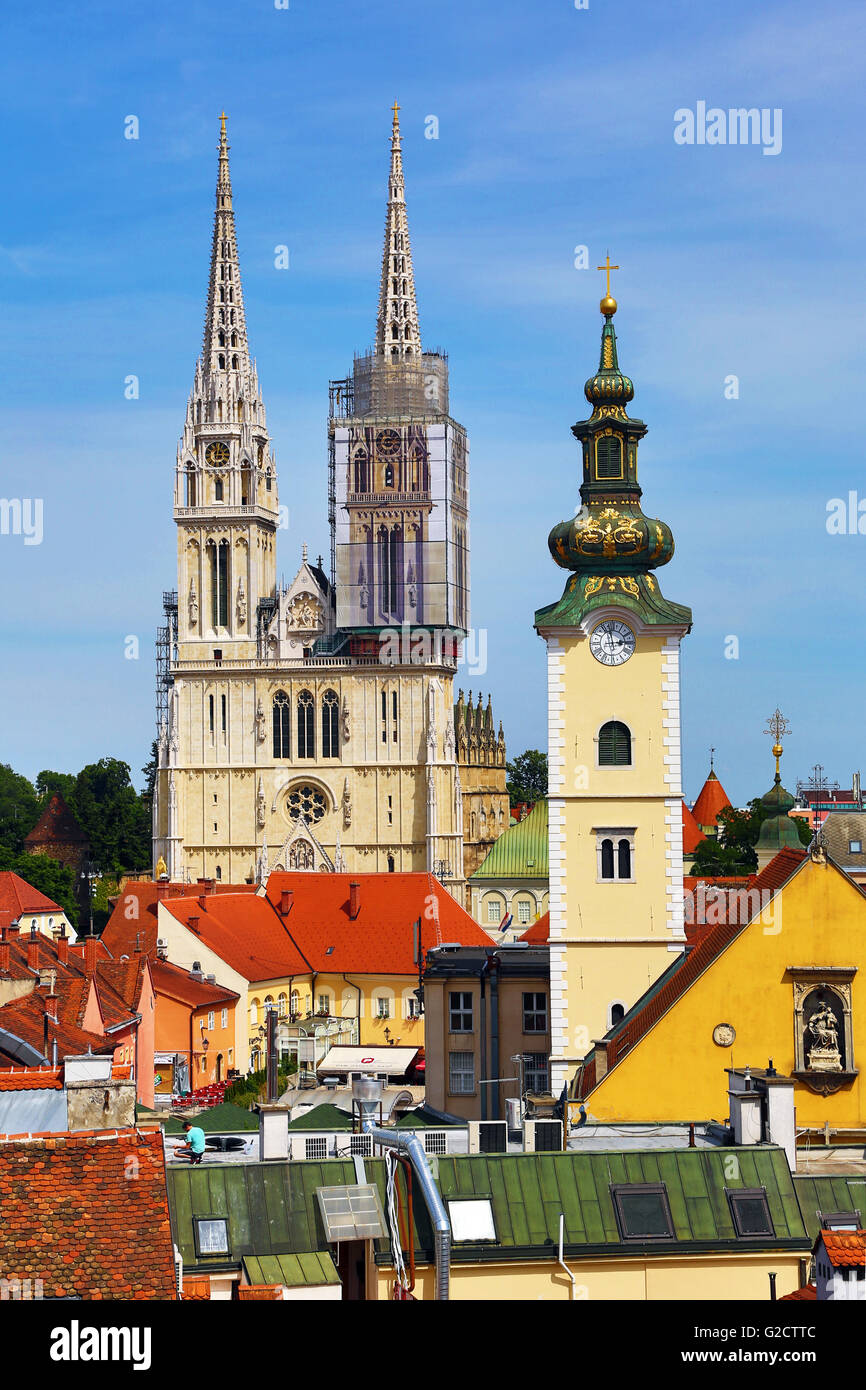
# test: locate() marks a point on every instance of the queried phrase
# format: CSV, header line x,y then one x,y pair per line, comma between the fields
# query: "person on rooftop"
x,y
195,1142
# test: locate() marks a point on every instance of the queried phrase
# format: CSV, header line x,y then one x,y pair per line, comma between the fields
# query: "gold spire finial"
x,y
222,123
608,304
777,728
395,108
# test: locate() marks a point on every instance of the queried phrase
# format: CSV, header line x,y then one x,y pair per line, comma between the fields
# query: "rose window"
x,y
306,801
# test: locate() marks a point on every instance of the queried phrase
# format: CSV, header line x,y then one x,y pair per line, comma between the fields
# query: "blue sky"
x,y
555,130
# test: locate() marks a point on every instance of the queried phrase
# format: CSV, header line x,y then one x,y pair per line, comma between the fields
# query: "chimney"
x,y
33,952
207,885
5,954
287,897
354,899
62,948
201,902
90,948
14,929
192,923
162,886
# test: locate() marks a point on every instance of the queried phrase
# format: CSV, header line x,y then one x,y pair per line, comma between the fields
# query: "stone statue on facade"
x,y
824,1054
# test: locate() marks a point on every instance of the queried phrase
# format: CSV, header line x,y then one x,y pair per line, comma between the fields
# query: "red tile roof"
x,y
132,923
712,798
539,932
317,934
845,1249
177,983
692,833
73,1218
32,1079
659,998
18,899
807,1294
24,1019
56,825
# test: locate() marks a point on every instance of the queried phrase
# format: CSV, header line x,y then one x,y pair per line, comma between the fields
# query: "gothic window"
x,y
282,722
210,701
389,572
221,361
362,475
234,340
330,725
268,480
223,713
219,583
246,483
235,362
189,486
390,863
395,332
222,295
308,802
608,457
306,725
222,337
218,491
614,744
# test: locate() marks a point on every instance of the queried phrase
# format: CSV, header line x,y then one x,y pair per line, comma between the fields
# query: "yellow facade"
x,y
385,1003
610,938
702,1277
812,934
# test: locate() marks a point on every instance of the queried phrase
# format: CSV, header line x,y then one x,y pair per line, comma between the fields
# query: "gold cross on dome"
x,y
395,108
777,726
607,267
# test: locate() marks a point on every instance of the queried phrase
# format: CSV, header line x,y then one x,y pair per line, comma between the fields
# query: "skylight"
x,y
472,1220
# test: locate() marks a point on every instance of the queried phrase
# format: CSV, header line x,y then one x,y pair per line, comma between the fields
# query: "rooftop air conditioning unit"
x,y
162,943
542,1136
488,1136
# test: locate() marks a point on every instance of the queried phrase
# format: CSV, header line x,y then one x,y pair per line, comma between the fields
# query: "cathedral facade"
x,y
313,726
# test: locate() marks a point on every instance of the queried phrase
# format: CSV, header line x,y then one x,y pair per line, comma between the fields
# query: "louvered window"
x,y
608,457
614,745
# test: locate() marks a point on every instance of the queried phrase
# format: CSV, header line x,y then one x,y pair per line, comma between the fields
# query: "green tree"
x,y
47,783
734,851
527,777
19,808
113,816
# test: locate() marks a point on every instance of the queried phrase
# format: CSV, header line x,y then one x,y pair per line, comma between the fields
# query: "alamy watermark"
x,y
738,125
22,516
421,646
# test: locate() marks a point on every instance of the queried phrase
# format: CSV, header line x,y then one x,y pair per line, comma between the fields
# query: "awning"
x,y
292,1271
393,1061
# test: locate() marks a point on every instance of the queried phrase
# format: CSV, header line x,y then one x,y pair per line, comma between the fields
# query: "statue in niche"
x,y
193,604
261,726
241,603
302,856
305,612
260,806
823,1052
346,724
347,805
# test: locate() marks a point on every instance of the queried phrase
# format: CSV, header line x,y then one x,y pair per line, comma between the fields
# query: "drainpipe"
x,y
561,1261
483,1034
411,1146
494,1032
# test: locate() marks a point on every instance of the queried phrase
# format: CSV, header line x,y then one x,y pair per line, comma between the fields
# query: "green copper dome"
x,y
610,546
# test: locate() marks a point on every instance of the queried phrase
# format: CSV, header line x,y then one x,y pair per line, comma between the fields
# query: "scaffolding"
x,y
386,388
166,653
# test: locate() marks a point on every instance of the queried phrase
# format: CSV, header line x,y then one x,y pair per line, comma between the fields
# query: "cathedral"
x,y
314,726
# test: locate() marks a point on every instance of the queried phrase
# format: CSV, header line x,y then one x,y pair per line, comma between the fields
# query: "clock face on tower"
x,y
217,452
388,443
611,642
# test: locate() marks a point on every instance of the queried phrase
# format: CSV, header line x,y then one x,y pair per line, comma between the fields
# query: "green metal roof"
x,y
323,1117
521,850
221,1119
827,1195
271,1208
295,1271
528,1192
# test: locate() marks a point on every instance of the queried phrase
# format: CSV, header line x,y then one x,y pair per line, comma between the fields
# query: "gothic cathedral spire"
x,y
397,331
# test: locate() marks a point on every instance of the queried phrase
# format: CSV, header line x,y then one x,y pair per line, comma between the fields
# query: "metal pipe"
x,y
412,1146
562,1263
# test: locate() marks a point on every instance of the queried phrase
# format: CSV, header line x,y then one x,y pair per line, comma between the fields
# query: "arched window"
x,y
306,725
219,583
607,859
221,359
617,1014
608,457
247,497
614,744
362,483
282,1005
268,480
234,363
330,725
222,337
190,488
282,724
390,863
623,859
219,873
295,1003
218,491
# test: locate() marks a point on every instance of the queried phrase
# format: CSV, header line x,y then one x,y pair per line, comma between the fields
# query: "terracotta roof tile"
x,y
807,1294
539,932
73,1218
32,1079
692,833
177,983
845,1249
712,799
18,898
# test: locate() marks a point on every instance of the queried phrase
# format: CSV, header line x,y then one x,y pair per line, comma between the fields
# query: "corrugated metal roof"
x,y
521,851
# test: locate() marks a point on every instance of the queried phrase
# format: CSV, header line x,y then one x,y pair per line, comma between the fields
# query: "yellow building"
x,y
332,952
781,979
613,646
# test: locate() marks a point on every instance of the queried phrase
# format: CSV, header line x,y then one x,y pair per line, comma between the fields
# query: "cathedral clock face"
x,y
388,443
611,642
217,453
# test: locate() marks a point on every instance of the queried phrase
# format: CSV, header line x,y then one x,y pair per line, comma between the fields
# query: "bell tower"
x,y
225,499
613,646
